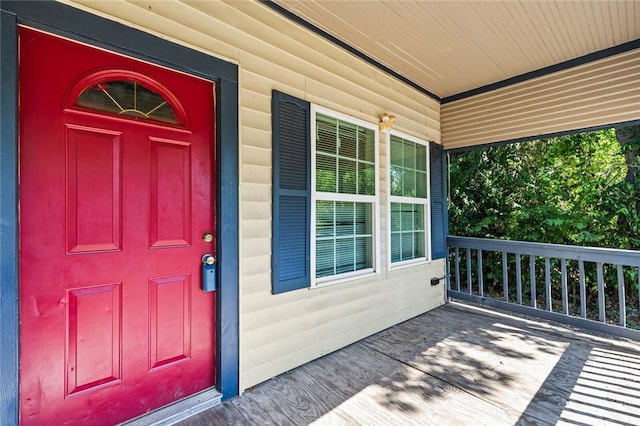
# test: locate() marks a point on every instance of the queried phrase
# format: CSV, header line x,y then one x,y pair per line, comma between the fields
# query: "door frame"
x,y
75,24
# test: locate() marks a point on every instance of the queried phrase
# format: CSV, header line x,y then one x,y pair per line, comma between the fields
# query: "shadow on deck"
x,y
454,365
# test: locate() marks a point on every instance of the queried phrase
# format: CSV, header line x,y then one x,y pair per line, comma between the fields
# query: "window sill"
x,y
368,273
408,264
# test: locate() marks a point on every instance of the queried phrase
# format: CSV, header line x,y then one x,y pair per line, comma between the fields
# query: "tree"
x,y
581,189
629,139
545,190
623,198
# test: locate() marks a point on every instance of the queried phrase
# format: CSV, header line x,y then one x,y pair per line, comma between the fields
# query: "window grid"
x,y
408,200
407,236
333,140
408,168
345,177
330,236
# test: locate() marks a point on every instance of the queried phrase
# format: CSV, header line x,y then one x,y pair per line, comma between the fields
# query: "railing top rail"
x,y
559,251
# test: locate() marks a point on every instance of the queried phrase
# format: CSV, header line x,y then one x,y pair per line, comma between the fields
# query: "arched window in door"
x,y
129,95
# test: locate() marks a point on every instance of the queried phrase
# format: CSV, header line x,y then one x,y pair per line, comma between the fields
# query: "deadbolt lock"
x,y
208,272
207,238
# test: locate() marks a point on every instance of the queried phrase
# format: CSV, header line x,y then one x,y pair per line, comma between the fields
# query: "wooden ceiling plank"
x,y
546,33
437,43
436,49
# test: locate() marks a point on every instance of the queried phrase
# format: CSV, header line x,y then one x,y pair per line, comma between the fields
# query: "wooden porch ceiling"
x,y
452,47
454,365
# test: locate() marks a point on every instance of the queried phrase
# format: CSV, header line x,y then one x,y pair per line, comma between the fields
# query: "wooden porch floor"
x,y
452,366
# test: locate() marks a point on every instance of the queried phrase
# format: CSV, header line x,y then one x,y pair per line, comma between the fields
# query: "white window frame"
x,y
330,196
409,200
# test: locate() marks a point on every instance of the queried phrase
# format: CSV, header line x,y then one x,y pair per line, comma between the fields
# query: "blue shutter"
x,y
439,220
291,193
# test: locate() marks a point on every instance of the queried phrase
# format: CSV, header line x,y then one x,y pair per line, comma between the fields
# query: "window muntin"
x,y
344,237
408,171
345,198
345,157
407,231
127,98
408,200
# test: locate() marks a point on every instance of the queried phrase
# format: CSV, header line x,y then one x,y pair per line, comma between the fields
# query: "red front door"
x,y
116,193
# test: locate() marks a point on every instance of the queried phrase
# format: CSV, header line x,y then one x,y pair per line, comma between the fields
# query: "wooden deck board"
x,y
222,415
482,358
452,366
373,390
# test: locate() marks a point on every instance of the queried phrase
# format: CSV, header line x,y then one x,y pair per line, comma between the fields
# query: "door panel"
x,y
93,189
170,206
93,337
169,320
113,207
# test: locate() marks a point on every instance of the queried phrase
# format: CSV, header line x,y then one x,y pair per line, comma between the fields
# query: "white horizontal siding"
x,y
332,317
595,94
284,331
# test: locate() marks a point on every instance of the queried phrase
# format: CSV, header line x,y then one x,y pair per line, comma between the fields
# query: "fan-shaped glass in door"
x,y
128,98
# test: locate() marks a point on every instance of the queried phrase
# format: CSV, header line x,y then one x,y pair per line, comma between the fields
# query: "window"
x,y
326,197
408,199
127,98
344,237
345,195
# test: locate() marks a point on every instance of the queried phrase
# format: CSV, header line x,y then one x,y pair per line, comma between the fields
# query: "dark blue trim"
x,y
291,200
54,17
75,24
591,57
227,315
8,219
439,202
546,136
348,48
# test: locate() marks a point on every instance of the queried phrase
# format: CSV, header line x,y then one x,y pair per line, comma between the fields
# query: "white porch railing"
x,y
561,283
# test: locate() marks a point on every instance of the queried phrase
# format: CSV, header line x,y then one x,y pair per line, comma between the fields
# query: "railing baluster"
x,y
564,267
583,290
519,278
468,253
480,277
457,256
622,303
505,277
448,271
565,291
601,313
532,278
547,283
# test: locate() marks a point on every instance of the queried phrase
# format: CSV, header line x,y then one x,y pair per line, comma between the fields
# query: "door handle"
x,y
208,273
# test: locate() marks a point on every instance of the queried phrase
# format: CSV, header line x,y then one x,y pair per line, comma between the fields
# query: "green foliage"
x,y
582,189
554,191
